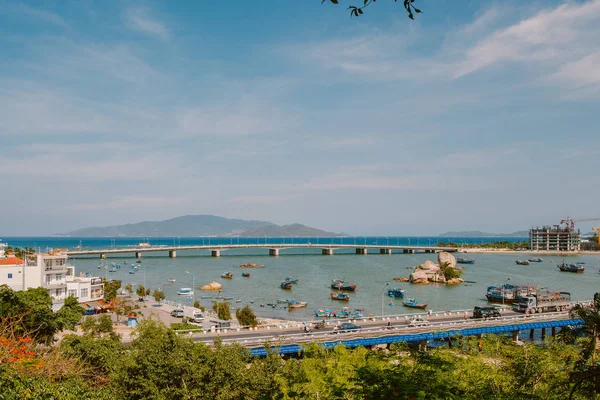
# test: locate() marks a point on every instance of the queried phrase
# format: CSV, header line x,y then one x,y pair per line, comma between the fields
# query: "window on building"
x,y
60,262
84,292
57,292
48,263
48,279
72,292
59,277
9,276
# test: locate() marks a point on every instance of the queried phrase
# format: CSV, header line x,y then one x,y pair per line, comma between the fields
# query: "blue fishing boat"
x,y
463,260
286,285
227,275
538,260
246,274
228,298
325,313
339,296
290,280
413,303
206,297
522,262
337,284
396,292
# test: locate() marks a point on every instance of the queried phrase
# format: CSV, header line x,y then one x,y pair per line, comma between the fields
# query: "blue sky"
x,y
478,117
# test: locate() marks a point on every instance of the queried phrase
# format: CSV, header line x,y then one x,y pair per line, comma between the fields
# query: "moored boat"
x,y
348,287
538,260
297,304
413,303
339,296
508,293
227,275
185,292
171,280
286,285
290,280
577,268
246,274
337,284
522,262
464,260
396,292
325,313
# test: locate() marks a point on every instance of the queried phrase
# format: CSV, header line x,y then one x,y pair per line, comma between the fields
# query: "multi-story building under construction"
x,y
555,238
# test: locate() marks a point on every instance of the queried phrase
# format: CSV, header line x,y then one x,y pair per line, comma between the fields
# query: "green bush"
x,y
222,310
246,316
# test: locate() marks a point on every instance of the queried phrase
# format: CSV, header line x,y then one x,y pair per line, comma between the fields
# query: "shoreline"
x,y
483,250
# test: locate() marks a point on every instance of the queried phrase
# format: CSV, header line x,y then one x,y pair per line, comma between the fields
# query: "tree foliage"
x,y
110,289
140,291
222,309
158,295
356,11
246,316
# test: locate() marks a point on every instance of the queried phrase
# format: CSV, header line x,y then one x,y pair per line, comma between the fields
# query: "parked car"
x,y
197,316
177,313
418,322
346,327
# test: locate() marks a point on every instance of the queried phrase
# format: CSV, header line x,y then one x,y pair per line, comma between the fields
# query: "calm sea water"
x,y
315,272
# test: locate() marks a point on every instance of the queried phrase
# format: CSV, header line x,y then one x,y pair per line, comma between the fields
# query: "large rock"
x,y
428,265
454,281
446,259
419,276
212,286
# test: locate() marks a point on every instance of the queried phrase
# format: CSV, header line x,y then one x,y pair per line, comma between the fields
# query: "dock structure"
x,y
273,249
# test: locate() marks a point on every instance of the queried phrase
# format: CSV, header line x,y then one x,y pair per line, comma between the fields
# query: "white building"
x,y
52,272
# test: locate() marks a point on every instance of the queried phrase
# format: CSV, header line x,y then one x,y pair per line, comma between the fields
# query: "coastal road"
x,y
371,328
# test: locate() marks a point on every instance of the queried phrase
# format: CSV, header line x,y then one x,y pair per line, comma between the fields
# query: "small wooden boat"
x,y
290,280
349,288
206,297
462,260
227,275
171,280
132,272
522,262
535,260
286,285
396,293
228,298
325,313
339,296
412,302
246,274
284,301
185,292
297,304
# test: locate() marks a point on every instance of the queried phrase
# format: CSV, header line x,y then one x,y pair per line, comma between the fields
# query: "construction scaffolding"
x,y
555,238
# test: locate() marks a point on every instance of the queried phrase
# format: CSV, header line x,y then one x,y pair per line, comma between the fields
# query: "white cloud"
x,y
42,15
138,19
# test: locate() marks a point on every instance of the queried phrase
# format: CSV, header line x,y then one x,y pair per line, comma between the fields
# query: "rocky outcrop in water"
x,y
436,273
446,259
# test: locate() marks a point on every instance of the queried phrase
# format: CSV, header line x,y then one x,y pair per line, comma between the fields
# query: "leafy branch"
x,y
355,11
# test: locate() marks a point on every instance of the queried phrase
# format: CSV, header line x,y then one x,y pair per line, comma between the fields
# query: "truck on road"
x,y
544,302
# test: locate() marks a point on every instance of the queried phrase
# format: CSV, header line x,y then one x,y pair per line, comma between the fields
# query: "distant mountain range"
x,y
471,234
201,225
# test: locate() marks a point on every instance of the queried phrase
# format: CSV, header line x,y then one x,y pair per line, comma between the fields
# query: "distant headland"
x,y
201,225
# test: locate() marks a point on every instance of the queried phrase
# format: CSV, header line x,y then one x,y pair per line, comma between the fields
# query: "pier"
x,y
274,249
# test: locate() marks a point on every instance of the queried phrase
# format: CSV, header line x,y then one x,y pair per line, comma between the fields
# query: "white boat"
x,y
185,292
172,280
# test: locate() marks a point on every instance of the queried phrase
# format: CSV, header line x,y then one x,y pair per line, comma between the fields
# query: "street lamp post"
x,y
382,293
507,279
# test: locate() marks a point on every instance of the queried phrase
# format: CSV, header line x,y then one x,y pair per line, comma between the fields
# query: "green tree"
x,y
69,314
99,327
222,309
246,316
129,288
158,295
110,289
140,291
451,272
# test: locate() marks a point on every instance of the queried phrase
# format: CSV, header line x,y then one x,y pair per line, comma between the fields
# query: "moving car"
x,y
418,322
346,327
486,312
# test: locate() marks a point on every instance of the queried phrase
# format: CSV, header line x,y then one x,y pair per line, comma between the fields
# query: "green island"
x,y
38,361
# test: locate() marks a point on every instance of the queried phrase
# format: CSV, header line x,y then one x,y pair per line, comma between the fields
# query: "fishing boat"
x,y
286,285
186,292
339,296
171,280
325,313
228,298
348,287
396,292
227,275
206,297
412,302
508,293
297,304
290,280
132,272
238,301
337,284
522,262
138,261
577,268
284,301
463,260
246,274
538,260
112,269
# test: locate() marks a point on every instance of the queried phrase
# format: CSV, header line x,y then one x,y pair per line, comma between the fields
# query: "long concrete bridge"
x,y
274,249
